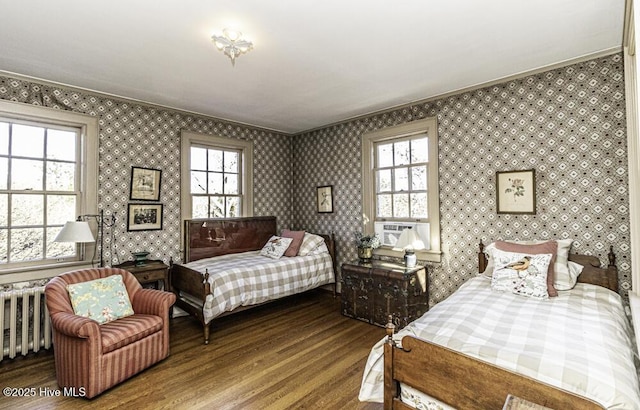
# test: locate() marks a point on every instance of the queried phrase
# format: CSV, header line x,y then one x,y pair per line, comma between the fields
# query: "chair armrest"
x,y
153,302
74,325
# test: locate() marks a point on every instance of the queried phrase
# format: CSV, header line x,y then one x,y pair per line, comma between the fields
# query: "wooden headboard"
x,y
205,238
592,272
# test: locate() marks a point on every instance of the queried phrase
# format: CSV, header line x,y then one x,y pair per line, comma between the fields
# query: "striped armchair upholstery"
x,y
92,357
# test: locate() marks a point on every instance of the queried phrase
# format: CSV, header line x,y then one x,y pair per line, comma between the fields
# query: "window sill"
x,y
429,256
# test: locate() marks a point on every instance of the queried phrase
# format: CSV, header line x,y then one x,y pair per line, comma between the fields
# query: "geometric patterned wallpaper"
x,y
568,124
133,134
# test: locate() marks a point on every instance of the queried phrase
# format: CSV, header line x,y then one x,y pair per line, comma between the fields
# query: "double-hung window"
x,y
47,177
400,190
219,175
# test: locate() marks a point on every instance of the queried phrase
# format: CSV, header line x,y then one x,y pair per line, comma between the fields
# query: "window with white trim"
x,y
219,174
44,170
400,185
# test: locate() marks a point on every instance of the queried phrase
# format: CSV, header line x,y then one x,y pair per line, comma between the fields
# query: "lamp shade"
x,y
409,239
75,231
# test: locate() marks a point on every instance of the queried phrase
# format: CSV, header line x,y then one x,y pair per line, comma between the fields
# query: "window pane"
x,y
26,244
60,176
420,150
4,210
198,182
401,205
27,141
4,237
58,249
231,162
215,183
27,210
216,205
26,174
385,155
384,180
60,209
401,153
419,178
61,145
401,179
419,205
231,184
199,207
4,172
4,138
233,206
198,158
384,209
215,160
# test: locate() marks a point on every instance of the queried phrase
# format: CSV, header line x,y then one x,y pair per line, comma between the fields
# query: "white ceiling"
x,y
314,62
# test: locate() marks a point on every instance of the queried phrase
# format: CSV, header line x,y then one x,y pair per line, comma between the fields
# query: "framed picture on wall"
x,y
516,192
145,184
325,199
144,217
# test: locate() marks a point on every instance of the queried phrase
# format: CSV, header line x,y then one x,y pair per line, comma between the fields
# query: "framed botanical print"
x,y
324,199
145,184
144,217
516,192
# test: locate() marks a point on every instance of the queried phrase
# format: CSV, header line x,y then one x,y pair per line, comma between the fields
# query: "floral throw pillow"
x,y
276,247
521,274
102,300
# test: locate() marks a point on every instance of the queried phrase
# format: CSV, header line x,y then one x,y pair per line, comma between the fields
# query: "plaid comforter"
x,y
248,278
579,341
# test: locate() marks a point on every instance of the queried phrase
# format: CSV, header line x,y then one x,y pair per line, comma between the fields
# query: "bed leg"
x,y
207,330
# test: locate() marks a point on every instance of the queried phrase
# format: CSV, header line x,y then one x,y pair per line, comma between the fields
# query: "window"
x,y
43,183
219,175
400,185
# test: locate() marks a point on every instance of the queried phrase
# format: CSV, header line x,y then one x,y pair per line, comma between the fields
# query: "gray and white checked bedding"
x,y
248,278
579,341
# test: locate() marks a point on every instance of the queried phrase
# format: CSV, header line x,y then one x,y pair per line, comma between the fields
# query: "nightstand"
x,y
151,271
374,290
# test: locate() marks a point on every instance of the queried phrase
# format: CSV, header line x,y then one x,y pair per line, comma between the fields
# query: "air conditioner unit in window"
x,y
389,232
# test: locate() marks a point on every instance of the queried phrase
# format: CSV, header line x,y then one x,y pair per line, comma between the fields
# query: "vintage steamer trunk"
x,y
373,291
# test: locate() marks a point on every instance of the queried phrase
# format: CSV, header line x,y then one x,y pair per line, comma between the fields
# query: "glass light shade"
x,y
409,239
75,231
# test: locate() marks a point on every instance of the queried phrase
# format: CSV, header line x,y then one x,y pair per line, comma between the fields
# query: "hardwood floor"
x,y
298,353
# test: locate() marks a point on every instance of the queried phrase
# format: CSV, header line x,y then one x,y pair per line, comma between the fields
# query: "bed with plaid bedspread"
x,y
579,341
247,278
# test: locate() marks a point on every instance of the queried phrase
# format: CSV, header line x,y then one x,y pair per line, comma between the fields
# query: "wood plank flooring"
x,y
297,353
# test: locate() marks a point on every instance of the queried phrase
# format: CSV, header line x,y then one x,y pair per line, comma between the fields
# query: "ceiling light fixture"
x,y
232,44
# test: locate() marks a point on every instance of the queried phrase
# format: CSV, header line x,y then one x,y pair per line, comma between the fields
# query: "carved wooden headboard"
x,y
205,238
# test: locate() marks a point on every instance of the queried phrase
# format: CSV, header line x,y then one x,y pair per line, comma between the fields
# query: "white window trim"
x,y
89,173
189,138
369,140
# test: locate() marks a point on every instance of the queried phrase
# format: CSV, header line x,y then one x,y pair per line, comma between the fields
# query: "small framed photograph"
x,y
144,217
516,192
325,199
145,184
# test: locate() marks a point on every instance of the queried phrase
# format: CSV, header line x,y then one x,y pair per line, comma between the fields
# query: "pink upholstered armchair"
x,y
96,357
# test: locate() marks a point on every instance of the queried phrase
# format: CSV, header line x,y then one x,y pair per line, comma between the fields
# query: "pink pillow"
x,y
297,237
544,247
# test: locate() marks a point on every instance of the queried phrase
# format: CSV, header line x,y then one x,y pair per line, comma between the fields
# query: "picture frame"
x,y
324,199
145,184
516,192
144,217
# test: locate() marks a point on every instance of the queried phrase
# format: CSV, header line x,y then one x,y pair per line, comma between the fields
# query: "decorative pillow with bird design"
x,y
276,247
521,274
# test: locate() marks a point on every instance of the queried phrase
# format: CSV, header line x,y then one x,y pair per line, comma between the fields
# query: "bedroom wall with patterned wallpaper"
x,y
133,134
568,124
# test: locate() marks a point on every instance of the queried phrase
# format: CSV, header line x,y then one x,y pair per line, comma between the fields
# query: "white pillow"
x,y
568,282
276,247
309,243
521,274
